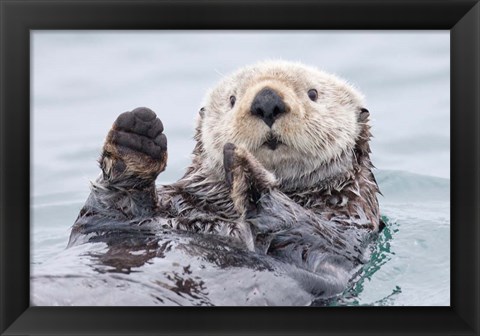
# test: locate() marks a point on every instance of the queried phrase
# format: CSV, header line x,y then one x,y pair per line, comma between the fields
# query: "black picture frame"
x,y
18,17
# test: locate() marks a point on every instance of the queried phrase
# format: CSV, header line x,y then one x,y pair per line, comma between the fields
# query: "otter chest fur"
x,y
281,168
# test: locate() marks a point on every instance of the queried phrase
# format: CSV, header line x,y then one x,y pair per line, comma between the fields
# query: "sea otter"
x,y
281,167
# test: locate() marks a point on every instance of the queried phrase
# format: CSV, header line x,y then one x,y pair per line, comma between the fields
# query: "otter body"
x,y
281,168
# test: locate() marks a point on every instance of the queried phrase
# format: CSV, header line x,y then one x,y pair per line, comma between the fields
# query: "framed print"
x,y
288,230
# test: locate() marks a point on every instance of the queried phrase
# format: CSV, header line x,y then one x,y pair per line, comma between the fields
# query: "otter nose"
x,y
268,106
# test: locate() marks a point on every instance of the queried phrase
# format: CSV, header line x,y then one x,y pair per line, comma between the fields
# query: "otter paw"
x,y
140,131
246,177
135,145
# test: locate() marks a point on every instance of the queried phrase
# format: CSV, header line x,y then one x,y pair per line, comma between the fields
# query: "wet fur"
x,y
312,205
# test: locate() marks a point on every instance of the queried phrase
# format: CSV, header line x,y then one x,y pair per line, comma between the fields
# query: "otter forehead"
x,y
296,75
286,114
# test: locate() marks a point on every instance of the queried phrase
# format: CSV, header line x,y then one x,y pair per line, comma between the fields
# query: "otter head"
x,y
302,124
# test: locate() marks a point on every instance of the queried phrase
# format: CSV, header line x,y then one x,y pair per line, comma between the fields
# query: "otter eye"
x,y
232,101
312,94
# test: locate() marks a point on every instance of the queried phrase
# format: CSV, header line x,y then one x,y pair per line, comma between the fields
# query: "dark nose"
x,y
268,106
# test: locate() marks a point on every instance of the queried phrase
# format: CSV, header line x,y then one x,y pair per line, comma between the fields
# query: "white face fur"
x,y
312,134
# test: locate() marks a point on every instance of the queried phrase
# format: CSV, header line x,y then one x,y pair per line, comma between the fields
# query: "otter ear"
x,y
363,115
202,112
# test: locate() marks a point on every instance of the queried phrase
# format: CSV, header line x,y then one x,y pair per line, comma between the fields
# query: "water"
x,y
82,80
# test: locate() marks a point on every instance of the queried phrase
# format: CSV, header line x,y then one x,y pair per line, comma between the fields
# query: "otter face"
x,y
294,119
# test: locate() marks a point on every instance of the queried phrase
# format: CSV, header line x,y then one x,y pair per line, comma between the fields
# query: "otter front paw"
x,y
135,146
246,177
